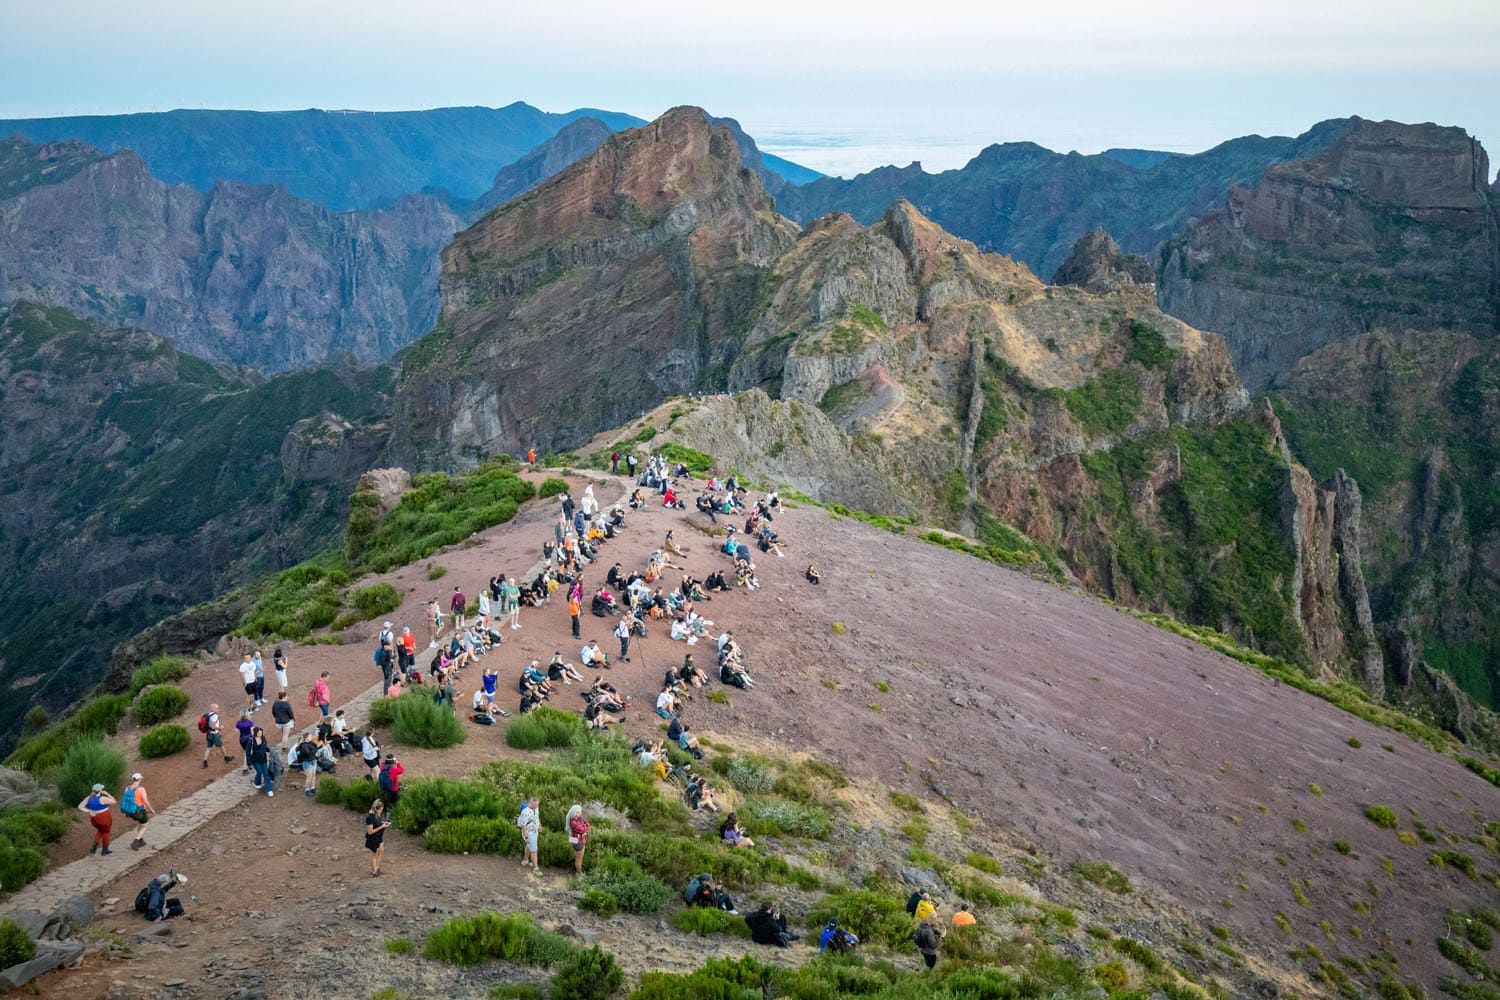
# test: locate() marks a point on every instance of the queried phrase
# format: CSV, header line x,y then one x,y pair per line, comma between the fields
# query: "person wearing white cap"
x,y
135,804
96,805
387,636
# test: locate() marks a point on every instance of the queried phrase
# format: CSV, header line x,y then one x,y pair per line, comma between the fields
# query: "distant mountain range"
x,y
339,159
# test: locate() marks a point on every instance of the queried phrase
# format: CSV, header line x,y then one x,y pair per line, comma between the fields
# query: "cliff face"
x,y
247,275
631,276
575,141
139,479
1034,204
1390,228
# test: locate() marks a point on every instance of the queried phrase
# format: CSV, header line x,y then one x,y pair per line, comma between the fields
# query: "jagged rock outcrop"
x,y
1097,264
140,480
243,274
629,277
1390,228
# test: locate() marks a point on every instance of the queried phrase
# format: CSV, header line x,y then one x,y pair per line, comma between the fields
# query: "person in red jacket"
x,y
390,777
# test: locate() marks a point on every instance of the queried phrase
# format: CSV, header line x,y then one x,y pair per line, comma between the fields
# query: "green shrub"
x,y
473,835
16,946
634,890
696,461
164,740
424,801
382,712
749,773
552,486
768,815
907,802
418,721
36,720
46,825
703,921
443,510
436,572
160,703
88,762
984,863
20,865
545,727
1382,816
297,600
99,716
600,903
587,974
718,979
400,946
162,670
1103,874
874,916
375,600
488,935
674,860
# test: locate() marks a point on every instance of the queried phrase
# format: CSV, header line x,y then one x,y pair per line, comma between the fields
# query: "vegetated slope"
x,y
138,479
1415,417
1032,203
630,276
1392,227
339,159
245,274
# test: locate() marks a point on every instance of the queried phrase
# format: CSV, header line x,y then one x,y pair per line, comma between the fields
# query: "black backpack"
x,y
385,781
306,751
912,902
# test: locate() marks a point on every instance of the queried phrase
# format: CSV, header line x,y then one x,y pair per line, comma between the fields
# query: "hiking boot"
x,y
205,763
106,851
94,847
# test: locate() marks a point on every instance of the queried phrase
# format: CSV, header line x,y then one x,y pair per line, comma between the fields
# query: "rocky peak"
x,y
575,141
1098,264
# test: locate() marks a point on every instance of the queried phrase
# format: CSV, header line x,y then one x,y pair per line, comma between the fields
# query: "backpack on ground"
x,y
482,719
203,723
142,899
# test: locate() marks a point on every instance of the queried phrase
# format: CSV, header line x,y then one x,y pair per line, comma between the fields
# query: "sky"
x,y
839,86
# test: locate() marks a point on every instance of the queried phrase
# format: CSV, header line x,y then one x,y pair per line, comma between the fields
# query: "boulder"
x,y
49,955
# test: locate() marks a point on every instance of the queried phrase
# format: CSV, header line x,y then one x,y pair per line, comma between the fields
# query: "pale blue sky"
x,y
840,86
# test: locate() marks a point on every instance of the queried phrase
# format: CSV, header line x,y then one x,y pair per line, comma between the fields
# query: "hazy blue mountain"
x,y
1141,159
339,159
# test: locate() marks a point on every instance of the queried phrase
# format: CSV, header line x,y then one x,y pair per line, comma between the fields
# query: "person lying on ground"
x,y
557,670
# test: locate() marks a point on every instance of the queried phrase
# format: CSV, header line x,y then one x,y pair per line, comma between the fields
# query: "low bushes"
x,y
874,916
160,703
356,796
697,462
768,814
749,773
587,974
16,945
488,935
1382,816
375,600
99,716
88,762
474,835
417,720
20,864
552,486
162,670
633,890
164,740
674,860
425,801
23,834
704,920
442,510
545,727
296,600
729,979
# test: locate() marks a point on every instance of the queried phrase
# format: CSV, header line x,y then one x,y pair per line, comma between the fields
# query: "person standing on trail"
x,y
278,667
622,632
614,463
929,939
456,604
260,679
136,805
531,456
590,505
386,662
512,602
567,508
209,725
260,759
575,608
244,729
484,608
283,716
375,826
319,696
247,676
577,826
630,463
530,822
96,806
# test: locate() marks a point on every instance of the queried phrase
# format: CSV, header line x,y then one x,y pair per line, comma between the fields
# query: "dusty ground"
x,y
1048,716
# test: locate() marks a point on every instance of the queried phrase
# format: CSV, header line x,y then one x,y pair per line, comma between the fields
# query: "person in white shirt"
x,y
666,703
622,632
484,609
593,656
247,673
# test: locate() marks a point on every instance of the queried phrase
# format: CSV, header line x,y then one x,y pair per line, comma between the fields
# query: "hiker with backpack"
x,y
213,735
153,903
319,696
837,939
456,604
385,660
136,804
375,826
96,807
389,778
305,756
928,938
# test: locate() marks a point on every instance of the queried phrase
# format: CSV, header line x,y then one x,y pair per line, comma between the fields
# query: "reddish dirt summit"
x,y
1050,718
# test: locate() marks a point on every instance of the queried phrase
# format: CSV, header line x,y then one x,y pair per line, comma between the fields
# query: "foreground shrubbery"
x,y
416,720
545,727
705,920
874,916
552,486
375,600
99,716
160,703
627,884
488,935
87,762
164,740
16,945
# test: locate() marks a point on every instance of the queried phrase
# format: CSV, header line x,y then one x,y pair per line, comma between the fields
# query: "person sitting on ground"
x,y
616,576
481,709
744,574
732,834
690,674
752,523
699,796
812,575
557,670
670,544
837,939
669,499
666,703
704,890
537,676
603,604
706,506
691,590
654,759
715,582
769,543
637,499
697,624
530,700
592,656
768,926
680,631
617,517
597,716
733,674
731,544
686,741
606,696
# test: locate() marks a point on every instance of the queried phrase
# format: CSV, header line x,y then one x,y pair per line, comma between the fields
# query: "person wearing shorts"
x,y
530,822
214,737
375,827
136,804
283,716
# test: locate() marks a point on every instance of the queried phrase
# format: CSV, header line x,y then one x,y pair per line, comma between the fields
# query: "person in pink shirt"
x,y
319,695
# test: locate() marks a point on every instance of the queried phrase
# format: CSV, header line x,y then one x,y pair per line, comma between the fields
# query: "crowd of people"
x,y
464,634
